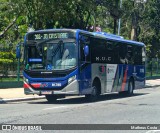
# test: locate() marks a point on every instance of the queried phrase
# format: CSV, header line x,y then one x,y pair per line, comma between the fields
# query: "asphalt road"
x,y
142,108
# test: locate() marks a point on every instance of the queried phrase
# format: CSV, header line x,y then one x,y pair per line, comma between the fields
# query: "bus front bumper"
x,y
72,88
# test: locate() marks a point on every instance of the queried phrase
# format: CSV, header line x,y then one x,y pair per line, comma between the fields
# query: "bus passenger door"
x,y
84,65
111,77
112,66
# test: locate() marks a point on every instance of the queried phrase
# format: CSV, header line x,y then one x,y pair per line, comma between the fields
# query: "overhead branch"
x,y
8,27
12,23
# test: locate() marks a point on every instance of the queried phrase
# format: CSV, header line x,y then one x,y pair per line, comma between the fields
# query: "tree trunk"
x,y
134,23
115,26
134,26
115,18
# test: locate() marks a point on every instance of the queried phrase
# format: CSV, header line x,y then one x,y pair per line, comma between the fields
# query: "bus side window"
x,y
111,53
143,55
116,53
123,54
137,55
98,50
129,54
109,46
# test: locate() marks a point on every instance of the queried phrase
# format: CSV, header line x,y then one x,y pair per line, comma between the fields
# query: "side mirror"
x,y
18,51
86,50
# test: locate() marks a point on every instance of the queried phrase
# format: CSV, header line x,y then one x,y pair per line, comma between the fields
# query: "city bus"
x,y
60,62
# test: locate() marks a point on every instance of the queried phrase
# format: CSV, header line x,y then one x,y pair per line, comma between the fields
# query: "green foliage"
x,y
150,27
7,58
139,21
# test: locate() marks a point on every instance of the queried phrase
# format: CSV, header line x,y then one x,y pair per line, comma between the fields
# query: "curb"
x,y
20,99
151,86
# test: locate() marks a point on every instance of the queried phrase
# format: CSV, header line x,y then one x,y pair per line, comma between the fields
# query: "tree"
x,y
150,28
132,16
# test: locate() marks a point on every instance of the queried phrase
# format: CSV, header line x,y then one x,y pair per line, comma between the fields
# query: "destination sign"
x,y
45,36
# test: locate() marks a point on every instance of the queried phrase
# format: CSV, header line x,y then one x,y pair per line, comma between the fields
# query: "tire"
x,y
95,93
51,98
129,92
130,88
122,93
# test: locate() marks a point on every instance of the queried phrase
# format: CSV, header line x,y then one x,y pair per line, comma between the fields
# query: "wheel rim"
x,y
94,93
130,88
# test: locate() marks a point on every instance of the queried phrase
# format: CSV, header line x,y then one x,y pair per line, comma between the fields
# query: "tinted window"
x,y
137,55
129,54
104,51
122,53
107,51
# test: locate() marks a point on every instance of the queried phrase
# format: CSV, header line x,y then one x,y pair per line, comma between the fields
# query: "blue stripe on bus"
x,y
35,60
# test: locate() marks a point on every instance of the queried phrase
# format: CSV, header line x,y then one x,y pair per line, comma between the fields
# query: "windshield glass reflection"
x,y
52,55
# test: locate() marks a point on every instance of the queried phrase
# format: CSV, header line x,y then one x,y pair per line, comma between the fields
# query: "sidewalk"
x,y
152,83
17,94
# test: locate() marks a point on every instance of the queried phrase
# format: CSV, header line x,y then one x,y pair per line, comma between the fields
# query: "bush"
x,y
7,62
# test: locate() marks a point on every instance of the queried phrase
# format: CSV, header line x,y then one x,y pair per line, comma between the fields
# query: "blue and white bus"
x,y
60,62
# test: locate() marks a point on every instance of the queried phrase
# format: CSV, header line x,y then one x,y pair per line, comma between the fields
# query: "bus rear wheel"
x,y
129,92
130,88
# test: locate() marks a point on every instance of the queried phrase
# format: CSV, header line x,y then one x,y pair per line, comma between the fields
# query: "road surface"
x,y
142,108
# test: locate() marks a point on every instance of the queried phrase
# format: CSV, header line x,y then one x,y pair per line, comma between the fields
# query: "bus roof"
x,y
51,30
95,34
112,37
116,38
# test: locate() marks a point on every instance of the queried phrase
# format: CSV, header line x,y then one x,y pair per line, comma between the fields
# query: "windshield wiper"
x,y
39,43
58,48
38,48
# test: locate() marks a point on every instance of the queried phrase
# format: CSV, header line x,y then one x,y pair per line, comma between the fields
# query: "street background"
x,y
141,108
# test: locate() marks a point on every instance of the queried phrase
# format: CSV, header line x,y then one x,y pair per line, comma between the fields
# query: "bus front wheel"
x,y
95,93
51,98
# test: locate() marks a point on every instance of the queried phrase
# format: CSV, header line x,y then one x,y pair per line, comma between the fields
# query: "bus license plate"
x,y
46,92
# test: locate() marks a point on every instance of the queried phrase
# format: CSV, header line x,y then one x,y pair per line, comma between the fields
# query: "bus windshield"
x,y
55,54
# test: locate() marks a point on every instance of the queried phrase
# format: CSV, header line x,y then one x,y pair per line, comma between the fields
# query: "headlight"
x,y
71,79
25,79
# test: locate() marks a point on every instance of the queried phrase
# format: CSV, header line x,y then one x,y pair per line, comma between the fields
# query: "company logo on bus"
x,y
109,70
103,59
44,85
39,85
103,69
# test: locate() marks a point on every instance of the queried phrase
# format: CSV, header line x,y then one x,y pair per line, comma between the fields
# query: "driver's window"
x,y
143,55
83,41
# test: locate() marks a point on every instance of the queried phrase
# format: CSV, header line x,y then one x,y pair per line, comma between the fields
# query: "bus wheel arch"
x,y
131,86
96,90
97,83
133,81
